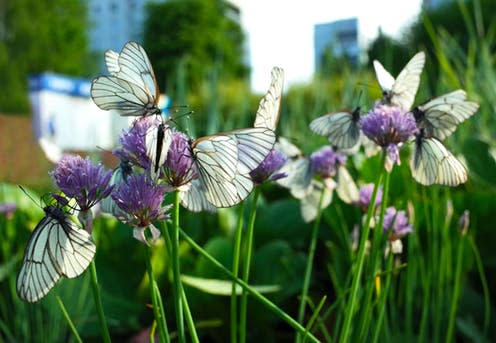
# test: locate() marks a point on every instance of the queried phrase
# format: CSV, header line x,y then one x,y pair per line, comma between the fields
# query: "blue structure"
x,y
341,37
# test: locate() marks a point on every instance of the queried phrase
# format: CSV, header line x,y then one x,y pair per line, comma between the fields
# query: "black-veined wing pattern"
x,y
269,107
341,128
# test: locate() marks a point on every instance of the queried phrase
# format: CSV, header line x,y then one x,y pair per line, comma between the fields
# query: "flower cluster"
x,y
268,170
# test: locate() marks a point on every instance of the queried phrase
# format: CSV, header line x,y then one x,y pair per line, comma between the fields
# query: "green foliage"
x,y
39,36
198,35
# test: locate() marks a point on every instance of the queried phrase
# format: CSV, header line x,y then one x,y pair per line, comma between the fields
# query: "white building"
x,y
341,36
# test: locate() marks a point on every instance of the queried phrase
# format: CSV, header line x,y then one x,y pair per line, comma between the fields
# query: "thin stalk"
x,y
98,304
235,271
176,270
243,304
254,293
383,297
308,269
456,291
158,311
349,312
68,320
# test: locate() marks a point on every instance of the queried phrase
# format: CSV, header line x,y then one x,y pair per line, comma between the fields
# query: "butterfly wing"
x,y
406,84
57,247
440,116
346,187
432,163
112,62
268,110
287,148
195,200
385,79
341,128
309,204
299,177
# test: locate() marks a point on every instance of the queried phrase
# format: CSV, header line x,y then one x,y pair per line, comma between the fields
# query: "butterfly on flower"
x,y
341,128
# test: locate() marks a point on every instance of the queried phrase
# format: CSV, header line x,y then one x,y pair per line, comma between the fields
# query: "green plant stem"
x,y
235,271
98,304
243,304
176,270
254,293
68,320
456,291
350,307
158,311
308,268
383,297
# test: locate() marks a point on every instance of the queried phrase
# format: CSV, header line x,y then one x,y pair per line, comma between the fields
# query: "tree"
x,y
197,35
38,36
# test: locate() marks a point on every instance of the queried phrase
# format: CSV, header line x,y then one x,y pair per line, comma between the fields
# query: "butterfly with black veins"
x,y
432,163
401,91
342,128
440,116
57,247
269,108
157,141
131,88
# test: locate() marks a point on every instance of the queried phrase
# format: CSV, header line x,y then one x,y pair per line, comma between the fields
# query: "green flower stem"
x,y
243,304
98,303
255,294
68,320
158,311
236,253
176,270
308,269
350,307
457,289
383,297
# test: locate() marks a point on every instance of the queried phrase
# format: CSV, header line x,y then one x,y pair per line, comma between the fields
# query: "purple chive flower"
x,y
365,196
325,161
389,127
140,200
179,168
8,208
267,170
80,179
133,144
397,223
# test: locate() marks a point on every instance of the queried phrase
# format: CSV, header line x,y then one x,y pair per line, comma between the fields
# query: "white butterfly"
x,y
131,89
157,141
341,128
57,247
268,110
440,116
432,163
309,204
195,200
401,91
225,160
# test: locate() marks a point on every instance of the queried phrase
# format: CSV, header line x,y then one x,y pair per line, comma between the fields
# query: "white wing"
x,y
195,200
287,148
299,177
401,92
309,205
57,247
440,116
157,142
112,62
341,128
225,160
268,110
432,163
346,188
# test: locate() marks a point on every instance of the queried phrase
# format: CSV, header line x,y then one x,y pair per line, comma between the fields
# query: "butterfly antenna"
x,y
29,195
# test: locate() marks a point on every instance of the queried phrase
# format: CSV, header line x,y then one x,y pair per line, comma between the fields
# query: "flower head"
x,y
389,127
179,168
365,196
141,203
267,170
8,208
133,144
396,222
80,179
325,161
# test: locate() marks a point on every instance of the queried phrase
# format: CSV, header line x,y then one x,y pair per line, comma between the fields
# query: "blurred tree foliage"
x,y
39,36
463,20
196,39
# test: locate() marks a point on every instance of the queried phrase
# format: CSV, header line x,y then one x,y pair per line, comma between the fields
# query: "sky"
x,y
280,32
